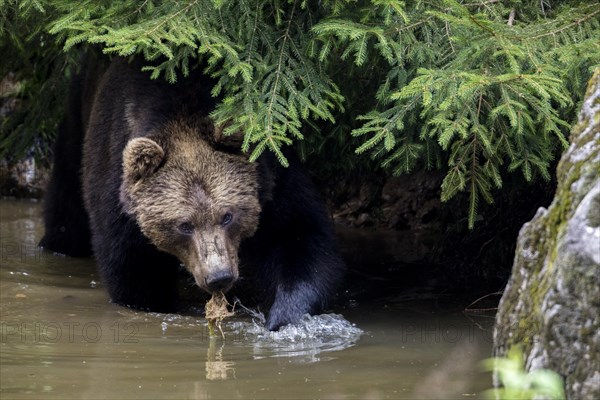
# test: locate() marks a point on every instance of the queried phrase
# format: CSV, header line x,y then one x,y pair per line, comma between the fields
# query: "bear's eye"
x,y
186,228
226,219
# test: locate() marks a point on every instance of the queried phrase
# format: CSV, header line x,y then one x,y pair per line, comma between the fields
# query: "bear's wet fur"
x,y
161,187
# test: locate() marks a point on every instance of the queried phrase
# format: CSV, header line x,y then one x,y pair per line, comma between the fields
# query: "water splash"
x,y
304,341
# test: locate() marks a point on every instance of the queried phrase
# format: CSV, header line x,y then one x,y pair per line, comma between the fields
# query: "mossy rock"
x,y
551,305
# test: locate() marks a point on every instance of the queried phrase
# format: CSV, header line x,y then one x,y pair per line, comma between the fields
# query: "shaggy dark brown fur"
x,y
161,186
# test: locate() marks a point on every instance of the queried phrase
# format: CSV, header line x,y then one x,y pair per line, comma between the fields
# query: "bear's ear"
x,y
141,158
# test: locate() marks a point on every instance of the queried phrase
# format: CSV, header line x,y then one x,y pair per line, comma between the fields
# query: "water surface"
x,y
61,338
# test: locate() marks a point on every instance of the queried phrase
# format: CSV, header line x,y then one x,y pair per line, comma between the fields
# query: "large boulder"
x,y
551,305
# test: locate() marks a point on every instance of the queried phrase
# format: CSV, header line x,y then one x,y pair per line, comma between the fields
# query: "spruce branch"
x,y
480,89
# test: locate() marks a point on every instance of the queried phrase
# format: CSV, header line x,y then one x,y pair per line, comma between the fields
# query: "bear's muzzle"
x,y
212,263
220,281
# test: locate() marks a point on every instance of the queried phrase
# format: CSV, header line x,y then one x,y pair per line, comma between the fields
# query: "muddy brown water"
x,y
61,338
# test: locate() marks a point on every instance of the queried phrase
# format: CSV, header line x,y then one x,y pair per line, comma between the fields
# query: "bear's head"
x,y
191,200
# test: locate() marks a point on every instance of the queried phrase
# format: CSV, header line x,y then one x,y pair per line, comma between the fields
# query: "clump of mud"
x,y
215,311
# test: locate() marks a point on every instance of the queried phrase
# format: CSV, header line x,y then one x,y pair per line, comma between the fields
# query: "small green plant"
x,y
518,384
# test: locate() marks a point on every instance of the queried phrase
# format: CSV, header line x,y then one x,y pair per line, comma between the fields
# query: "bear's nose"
x,y
219,280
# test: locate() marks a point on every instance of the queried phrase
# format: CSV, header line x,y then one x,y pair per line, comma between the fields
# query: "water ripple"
x,y
305,340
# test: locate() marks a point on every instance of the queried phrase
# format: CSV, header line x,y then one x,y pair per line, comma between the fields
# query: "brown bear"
x,y
141,173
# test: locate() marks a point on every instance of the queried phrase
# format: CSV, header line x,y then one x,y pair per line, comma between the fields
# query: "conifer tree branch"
x,y
278,72
568,26
171,17
433,83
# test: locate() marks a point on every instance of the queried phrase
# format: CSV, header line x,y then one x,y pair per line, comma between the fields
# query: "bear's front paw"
x,y
288,308
278,318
